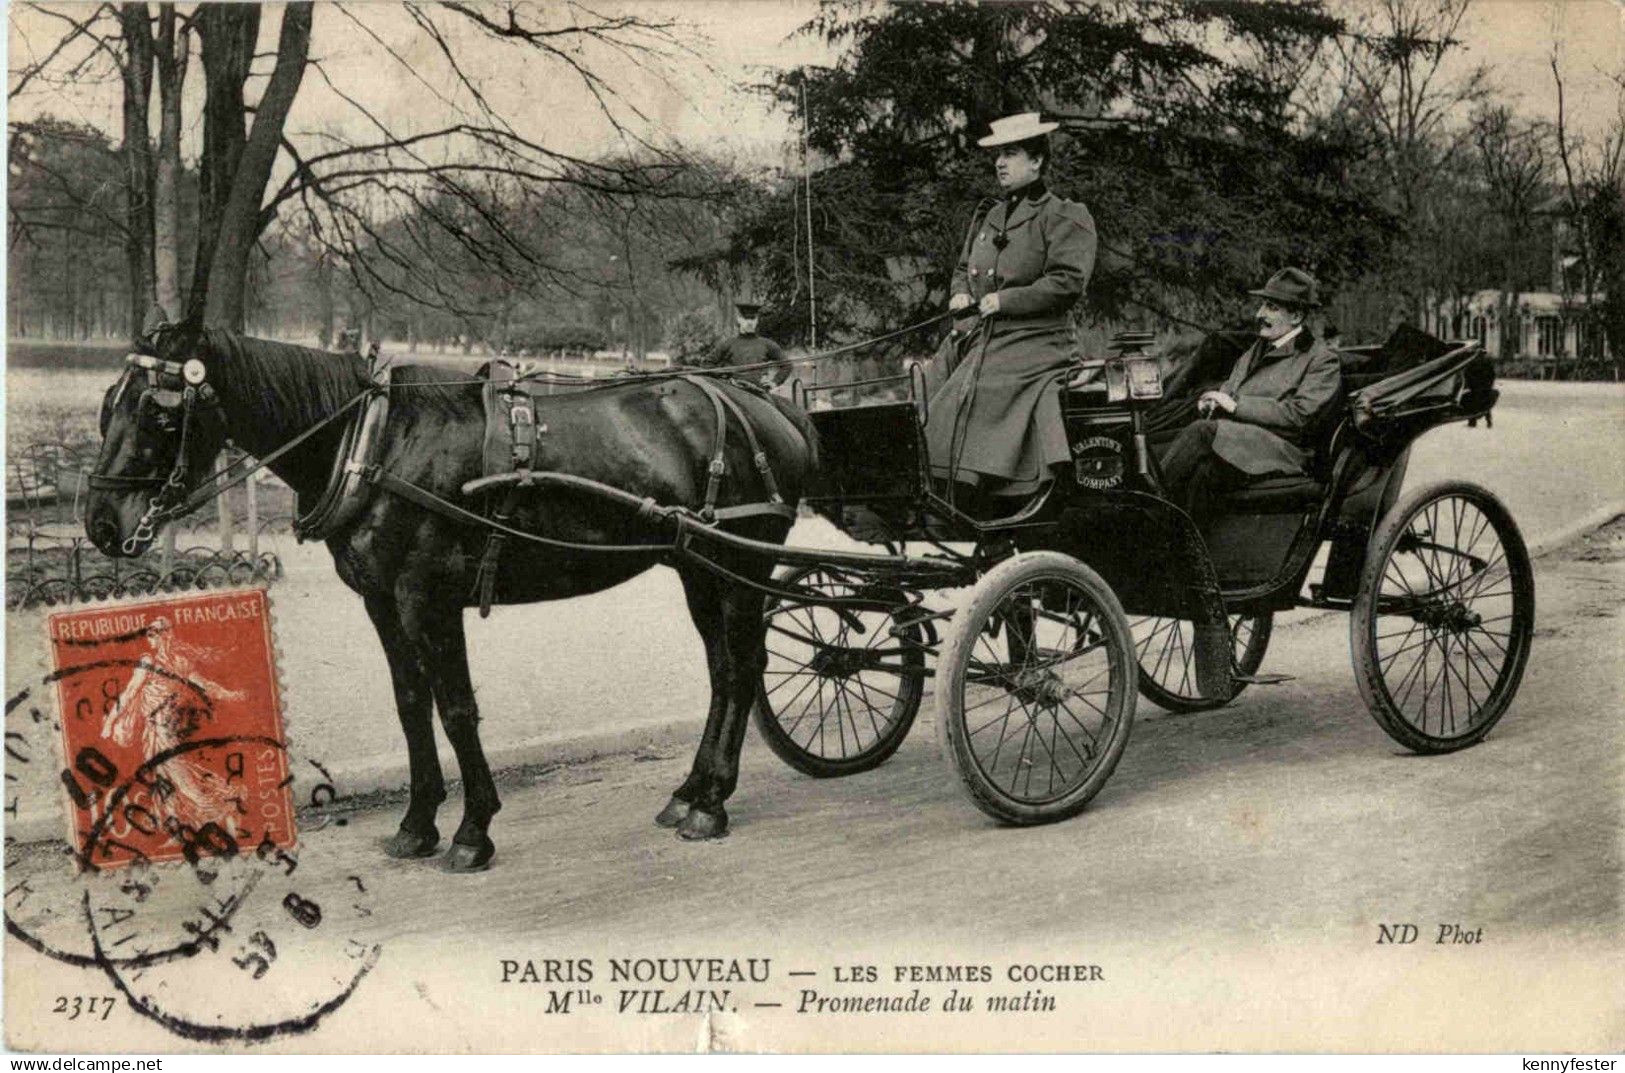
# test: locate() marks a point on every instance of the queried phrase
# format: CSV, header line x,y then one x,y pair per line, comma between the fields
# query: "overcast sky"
x,y
699,96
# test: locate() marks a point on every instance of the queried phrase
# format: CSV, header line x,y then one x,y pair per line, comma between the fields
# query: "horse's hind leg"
x,y
414,703
442,646
705,608
735,646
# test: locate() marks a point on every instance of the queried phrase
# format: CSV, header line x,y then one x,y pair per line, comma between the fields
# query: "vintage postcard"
x,y
815,527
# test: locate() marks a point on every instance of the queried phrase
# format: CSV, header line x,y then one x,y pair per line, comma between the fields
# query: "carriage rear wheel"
x,y
1167,655
840,691
1442,624
1035,688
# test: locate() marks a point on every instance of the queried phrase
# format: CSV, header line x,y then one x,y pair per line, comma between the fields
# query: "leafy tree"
x,y
1186,132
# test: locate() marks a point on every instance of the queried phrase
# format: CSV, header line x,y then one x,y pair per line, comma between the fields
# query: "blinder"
x,y
165,407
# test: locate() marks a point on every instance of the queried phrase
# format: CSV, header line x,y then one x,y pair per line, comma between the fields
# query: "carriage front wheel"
x,y
840,691
1441,627
1036,688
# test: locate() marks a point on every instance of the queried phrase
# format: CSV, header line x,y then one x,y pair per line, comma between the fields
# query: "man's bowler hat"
x,y
1291,287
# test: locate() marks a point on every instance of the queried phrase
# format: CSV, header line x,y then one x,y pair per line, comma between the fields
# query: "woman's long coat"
x,y
1000,411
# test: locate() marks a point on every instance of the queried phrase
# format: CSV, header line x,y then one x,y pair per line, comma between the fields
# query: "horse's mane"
x,y
285,385
292,386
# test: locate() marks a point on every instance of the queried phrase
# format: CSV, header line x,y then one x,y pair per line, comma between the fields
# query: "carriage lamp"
x,y
1116,380
1144,378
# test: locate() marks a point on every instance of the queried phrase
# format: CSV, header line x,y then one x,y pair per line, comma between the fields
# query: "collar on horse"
x,y
347,485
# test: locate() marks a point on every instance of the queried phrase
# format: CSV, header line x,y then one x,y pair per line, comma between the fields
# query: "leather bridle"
x,y
171,386
183,386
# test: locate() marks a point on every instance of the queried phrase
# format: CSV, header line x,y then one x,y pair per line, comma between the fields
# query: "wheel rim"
x,y
1447,635
1165,650
1037,701
836,692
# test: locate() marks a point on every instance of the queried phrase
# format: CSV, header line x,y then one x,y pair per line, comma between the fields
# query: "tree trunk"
x,y
172,54
238,223
137,154
226,37
324,301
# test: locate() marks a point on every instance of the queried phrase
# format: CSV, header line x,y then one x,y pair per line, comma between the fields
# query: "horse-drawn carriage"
x,y
1096,587
418,478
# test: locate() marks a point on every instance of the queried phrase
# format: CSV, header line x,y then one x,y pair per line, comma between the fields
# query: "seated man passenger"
x,y
1259,422
995,424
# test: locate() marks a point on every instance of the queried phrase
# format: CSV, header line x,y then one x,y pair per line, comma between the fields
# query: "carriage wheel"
x,y
1035,721
837,698
1442,624
1167,655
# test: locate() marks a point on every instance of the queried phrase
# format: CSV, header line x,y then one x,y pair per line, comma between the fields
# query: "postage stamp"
x,y
158,736
171,724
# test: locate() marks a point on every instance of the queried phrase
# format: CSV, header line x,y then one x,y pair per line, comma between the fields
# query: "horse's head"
x,y
161,430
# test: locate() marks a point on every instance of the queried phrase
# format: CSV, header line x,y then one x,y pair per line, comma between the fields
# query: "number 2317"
x,y
74,1006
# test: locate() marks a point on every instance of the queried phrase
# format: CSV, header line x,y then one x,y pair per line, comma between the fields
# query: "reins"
x,y
592,383
195,391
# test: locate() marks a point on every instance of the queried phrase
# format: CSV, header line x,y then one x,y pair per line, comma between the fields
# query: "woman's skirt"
x,y
996,422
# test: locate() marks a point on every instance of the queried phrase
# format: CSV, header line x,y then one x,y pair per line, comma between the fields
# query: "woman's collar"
x,y
1033,191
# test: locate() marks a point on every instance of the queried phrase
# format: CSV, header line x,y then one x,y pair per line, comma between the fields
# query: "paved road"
x,y
1229,881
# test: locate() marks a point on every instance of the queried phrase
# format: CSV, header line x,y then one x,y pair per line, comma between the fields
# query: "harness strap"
x,y
429,501
719,465
211,489
485,578
756,453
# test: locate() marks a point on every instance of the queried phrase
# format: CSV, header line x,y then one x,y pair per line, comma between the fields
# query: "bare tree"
x,y
1400,89
173,48
1516,170
1594,204
237,158
475,167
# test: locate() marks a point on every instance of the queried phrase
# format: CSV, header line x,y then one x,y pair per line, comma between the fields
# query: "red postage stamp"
x,y
172,729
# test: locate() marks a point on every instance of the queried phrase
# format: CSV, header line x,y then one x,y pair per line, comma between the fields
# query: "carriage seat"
x,y
1275,495
1294,492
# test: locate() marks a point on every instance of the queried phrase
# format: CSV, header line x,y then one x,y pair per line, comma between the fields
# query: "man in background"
x,y
748,348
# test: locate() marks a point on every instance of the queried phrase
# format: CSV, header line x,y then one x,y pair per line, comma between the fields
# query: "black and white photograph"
x,y
815,526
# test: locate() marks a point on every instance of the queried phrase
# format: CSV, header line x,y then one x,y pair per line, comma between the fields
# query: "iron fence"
x,y
49,560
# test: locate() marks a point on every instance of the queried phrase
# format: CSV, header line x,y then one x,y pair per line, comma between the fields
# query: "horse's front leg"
x,y
437,629
414,703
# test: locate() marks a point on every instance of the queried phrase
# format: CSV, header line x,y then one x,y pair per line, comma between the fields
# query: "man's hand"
x,y
1215,400
989,304
958,302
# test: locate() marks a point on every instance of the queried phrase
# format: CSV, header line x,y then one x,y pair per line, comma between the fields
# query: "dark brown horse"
x,y
415,568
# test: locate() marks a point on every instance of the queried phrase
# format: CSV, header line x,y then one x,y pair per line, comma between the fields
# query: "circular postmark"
x,y
283,943
181,876
50,879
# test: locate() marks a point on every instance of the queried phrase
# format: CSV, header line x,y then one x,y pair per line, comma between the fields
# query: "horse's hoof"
x,y
406,845
675,812
461,858
700,824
